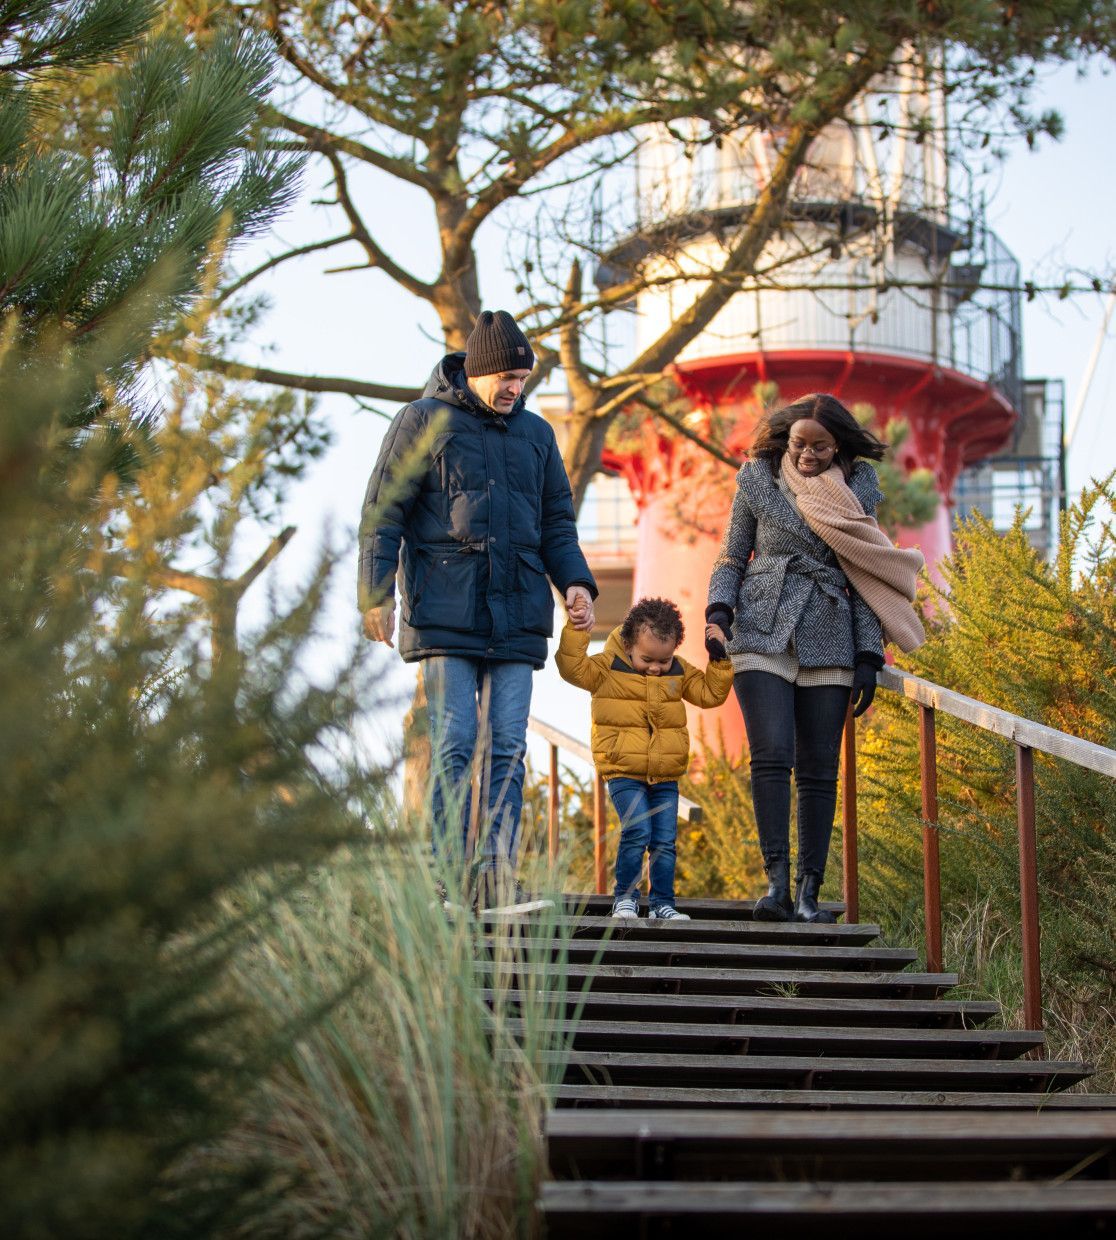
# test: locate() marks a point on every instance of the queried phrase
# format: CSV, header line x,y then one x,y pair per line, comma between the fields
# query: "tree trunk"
x,y
457,288
585,440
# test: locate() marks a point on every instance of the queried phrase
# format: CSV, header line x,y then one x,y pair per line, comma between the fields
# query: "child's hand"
x,y
715,640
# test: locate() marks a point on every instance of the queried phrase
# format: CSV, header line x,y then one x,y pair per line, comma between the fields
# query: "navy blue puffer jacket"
x,y
479,507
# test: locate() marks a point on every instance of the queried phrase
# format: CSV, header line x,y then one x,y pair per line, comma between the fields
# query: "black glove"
x,y
864,682
719,614
715,648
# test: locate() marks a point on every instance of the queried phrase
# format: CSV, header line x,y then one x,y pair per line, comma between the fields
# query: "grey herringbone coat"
x,y
781,580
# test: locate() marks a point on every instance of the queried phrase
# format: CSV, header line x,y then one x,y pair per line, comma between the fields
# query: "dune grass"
x,y
412,1102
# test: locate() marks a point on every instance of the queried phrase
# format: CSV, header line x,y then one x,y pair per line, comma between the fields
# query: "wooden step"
x,y
676,952
690,1037
771,1010
657,1097
674,979
707,930
735,910
792,1145
814,1072
709,1210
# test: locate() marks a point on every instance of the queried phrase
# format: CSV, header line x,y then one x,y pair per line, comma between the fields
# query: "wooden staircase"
x,y
723,1072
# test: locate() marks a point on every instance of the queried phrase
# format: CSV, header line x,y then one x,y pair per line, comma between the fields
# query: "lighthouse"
x,y
884,288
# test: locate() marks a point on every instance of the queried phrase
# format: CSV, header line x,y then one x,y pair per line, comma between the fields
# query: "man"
x,y
471,488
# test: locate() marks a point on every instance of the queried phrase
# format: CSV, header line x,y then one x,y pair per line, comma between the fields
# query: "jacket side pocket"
x,y
536,602
445,588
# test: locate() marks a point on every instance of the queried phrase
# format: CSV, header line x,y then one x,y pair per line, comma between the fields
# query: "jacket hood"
x,y
614,648
447,383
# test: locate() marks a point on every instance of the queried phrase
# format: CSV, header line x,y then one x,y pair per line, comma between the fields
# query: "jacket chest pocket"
x,y
458,464
535,600
445,588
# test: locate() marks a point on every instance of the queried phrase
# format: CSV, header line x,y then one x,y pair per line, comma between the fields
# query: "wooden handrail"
x,y
1027,736
1001,722
688,811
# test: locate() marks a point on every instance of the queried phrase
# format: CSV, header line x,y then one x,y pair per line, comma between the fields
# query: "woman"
x,y
811,587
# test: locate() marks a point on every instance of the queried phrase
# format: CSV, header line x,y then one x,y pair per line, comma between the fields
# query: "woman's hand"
x,y
863,688
715,640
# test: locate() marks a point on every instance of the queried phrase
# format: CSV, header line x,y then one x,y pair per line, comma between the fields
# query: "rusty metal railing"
x,y
1027,736
931,699
688,811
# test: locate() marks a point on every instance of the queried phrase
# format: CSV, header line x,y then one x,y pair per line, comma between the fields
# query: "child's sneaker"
x,y
625,906
667,912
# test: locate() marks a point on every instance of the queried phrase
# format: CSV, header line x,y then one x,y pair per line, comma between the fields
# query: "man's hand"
x,y
379,624
579,607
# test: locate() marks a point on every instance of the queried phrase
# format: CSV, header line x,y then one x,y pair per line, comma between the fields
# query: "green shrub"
x,y
1038,640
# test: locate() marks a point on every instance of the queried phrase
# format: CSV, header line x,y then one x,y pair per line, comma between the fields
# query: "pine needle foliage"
x,y
83,236
137,788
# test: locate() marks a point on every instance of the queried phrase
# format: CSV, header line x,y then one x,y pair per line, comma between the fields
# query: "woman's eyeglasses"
x,y
819,450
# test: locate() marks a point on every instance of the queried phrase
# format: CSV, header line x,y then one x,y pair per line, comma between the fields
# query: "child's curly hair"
x,y
657,614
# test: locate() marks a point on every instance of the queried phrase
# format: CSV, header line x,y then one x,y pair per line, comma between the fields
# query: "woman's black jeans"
x,y
793,727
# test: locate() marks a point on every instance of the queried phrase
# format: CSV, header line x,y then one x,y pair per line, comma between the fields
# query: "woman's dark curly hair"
x,y
853,440
657,614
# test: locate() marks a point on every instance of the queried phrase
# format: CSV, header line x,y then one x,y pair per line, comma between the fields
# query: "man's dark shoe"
x,y
776,905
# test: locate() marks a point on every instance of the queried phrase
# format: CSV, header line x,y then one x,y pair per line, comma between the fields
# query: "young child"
x,y
640,742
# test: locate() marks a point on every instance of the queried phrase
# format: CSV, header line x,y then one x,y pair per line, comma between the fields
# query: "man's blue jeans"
x,y
470,698
648,823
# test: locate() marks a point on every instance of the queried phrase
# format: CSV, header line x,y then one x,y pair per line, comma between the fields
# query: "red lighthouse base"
x,y
685,495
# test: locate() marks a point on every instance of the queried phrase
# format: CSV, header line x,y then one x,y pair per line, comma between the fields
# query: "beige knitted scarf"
x,y
882,574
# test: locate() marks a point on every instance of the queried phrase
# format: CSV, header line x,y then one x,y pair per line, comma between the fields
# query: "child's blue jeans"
x,y
648,823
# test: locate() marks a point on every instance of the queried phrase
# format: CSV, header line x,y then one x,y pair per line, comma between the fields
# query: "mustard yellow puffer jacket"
x,y
639,722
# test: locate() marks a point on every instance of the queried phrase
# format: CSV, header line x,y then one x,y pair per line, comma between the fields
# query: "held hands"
x,y
378,624
579,608
715,640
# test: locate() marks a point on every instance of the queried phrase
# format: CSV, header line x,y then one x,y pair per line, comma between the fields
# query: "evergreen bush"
x,y
137,787
1039,640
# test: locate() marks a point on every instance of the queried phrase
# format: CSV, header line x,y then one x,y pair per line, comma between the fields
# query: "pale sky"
x,y
1052,207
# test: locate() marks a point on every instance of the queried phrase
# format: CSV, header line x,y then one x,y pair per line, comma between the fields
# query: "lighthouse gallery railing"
x,y
931,699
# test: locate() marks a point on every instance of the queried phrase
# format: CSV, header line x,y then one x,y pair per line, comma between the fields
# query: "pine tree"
x,y
137,790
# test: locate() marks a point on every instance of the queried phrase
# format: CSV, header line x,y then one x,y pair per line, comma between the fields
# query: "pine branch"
x,y
273,548
676,424
376,256
324,141
283,378
232,289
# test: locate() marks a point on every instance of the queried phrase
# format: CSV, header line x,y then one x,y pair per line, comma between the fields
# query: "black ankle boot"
x,y
806,908
776,905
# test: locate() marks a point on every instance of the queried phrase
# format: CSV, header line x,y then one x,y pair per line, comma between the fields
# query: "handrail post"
x,y
599,868
931,864
552,808
1028,885
849,861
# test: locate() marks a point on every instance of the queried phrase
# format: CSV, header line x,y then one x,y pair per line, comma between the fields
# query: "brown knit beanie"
x,y
496,344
